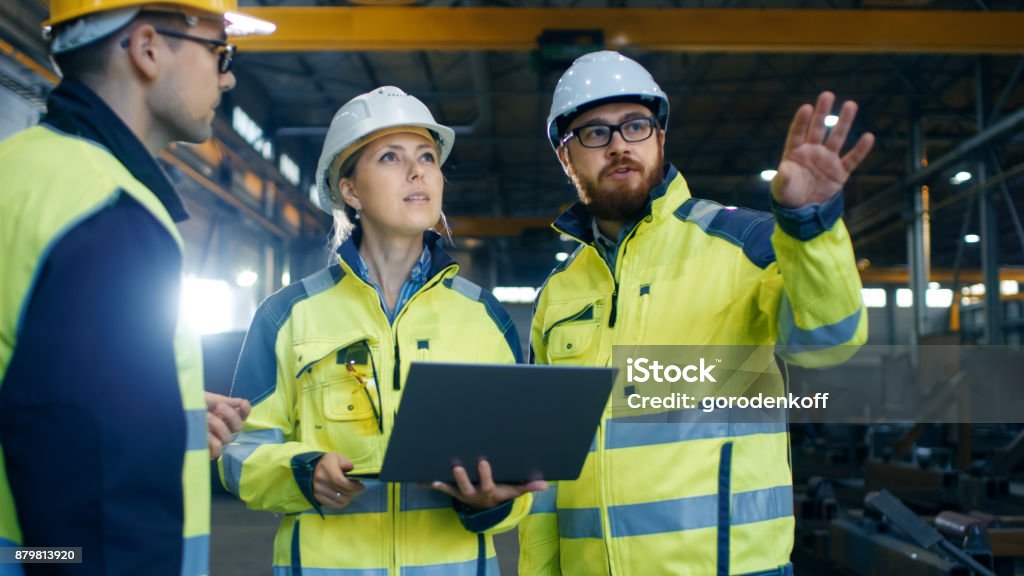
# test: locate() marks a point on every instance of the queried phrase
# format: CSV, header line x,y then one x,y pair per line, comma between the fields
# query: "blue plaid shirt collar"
x,y
416,280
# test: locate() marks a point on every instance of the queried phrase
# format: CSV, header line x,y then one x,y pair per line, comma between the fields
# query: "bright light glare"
x,y
873,297
562,256
515,294
972,238
242,25
960,177
767,175
934,298
831,120
940,298
246,278
904,298
206,305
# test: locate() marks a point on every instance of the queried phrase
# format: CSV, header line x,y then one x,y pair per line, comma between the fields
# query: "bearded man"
x,y
656,266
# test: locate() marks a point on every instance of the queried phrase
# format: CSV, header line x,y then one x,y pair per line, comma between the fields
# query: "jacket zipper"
x,y
615,305
581,315
605,468
615,279
393,568
393,497
391,553
309,365
395,384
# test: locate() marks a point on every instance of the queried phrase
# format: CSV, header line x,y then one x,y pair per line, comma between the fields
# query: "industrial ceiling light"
x,y
515,294
960,177
246,278
207,304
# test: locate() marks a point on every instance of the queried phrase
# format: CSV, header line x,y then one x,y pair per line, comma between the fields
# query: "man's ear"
x,y
348,193
145,50
563,157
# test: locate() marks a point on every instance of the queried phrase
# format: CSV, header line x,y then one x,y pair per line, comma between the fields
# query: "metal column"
x,y
890,314
989,217
919,232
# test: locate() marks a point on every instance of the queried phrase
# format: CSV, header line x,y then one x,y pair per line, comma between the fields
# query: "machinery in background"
x,y
856,487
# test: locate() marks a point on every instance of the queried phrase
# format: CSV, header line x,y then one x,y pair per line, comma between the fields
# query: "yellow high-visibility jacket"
x,y
306,403
53,182
689,498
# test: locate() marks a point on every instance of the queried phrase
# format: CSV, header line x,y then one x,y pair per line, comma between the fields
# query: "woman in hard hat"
x,y
325,361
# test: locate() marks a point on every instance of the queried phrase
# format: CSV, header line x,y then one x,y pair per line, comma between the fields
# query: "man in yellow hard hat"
x,y
105,434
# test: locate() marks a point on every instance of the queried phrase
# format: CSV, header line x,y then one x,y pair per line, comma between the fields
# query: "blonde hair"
x,y
340,231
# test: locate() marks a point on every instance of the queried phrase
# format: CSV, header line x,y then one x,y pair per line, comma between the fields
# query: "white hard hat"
x,y
603,76
366,114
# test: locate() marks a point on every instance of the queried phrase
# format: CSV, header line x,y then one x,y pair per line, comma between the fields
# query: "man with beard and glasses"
x,y
656,266
105,434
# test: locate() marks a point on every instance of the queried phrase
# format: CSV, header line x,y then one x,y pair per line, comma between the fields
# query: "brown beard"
x,y
618,201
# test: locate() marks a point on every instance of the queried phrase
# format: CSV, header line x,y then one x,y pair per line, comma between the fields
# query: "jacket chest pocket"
x,y
342,389
575,337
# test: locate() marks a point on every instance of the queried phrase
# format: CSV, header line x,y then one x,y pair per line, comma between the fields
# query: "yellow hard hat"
x,y
63,11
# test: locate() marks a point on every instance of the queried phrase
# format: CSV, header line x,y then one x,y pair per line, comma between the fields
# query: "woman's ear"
x,y
348,193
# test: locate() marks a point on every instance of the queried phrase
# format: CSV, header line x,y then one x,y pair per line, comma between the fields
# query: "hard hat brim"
x,y
237,23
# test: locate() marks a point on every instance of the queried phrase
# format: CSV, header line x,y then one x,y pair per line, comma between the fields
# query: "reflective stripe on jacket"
x,y
306,402
689,498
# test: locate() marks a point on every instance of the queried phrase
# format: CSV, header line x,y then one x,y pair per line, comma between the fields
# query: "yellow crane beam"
x,y
900,276
403,28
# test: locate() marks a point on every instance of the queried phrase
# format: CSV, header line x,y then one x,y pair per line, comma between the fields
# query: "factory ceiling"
x,y
940,76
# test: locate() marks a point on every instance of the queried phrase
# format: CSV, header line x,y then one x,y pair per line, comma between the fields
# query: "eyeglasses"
x,y
225,51
359,363
600,135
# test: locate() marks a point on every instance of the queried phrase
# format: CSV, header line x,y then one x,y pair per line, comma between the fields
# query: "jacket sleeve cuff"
x,y
303,466
808,222
477,521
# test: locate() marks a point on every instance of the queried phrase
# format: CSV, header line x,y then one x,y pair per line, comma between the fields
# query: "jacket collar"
x,y
74,109
578,223
348,252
